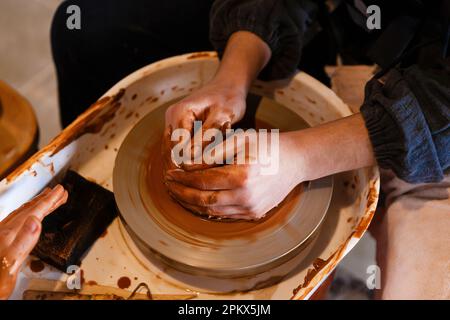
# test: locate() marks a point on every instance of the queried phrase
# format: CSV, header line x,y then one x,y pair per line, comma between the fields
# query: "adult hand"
x,y
246,189
217,105
221,102
19,233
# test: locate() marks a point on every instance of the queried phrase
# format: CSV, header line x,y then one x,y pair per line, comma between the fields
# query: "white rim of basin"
x,y
316,104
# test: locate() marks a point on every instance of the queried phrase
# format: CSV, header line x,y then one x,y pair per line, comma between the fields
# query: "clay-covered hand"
x,y
239,191
217,105
19,233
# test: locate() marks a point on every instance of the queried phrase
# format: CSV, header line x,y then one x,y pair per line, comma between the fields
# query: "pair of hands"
x,y
20,232
237,191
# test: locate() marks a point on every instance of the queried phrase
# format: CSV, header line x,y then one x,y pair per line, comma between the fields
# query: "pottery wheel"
x,y
201,246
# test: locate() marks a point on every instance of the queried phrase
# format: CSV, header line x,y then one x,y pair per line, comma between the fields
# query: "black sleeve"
x,y
280,23
408,119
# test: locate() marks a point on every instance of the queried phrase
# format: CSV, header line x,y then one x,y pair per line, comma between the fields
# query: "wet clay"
x,y
197,225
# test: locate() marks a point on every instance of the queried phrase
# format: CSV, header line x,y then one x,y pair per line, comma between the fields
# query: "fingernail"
x,y
168,178
32,225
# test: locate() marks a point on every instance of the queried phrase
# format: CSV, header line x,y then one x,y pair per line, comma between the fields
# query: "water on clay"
x,y
8,149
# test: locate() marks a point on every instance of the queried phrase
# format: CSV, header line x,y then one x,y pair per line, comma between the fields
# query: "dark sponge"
x,y
71,229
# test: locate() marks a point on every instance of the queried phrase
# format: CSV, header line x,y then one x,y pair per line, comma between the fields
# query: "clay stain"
x,y
124,282
36,266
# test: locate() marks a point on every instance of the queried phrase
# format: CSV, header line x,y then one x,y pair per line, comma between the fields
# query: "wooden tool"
x,y
43,289
18,129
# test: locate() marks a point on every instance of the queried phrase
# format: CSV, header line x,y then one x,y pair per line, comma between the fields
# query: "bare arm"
x,y
330,148
245,56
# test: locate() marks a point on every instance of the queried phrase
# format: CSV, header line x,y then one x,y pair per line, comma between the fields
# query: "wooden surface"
x,y
18,129
42,289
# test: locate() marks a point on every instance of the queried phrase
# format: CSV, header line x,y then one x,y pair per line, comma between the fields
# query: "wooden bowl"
x,y
18,129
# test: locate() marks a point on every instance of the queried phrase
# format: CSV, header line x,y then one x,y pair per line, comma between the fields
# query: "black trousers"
x,y
118,37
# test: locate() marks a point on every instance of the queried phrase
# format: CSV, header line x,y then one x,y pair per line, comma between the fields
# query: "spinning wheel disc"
x,y
200,246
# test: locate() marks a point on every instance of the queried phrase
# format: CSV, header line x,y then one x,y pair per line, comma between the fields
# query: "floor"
x,y
26,64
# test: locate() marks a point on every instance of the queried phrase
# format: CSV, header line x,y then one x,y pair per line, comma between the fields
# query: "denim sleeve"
x,y
408,119
280,23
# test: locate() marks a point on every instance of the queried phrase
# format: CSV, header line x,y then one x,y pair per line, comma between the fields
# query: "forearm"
x,y
334,147
244,57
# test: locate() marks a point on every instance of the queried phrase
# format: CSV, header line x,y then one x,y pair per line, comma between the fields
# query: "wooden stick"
x,y
43,289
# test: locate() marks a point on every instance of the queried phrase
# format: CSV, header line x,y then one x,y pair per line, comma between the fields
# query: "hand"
x,y
216,105
239,191
19,233
220,103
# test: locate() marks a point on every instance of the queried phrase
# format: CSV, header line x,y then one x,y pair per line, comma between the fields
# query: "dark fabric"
x,y
410,139
392,43
116,38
